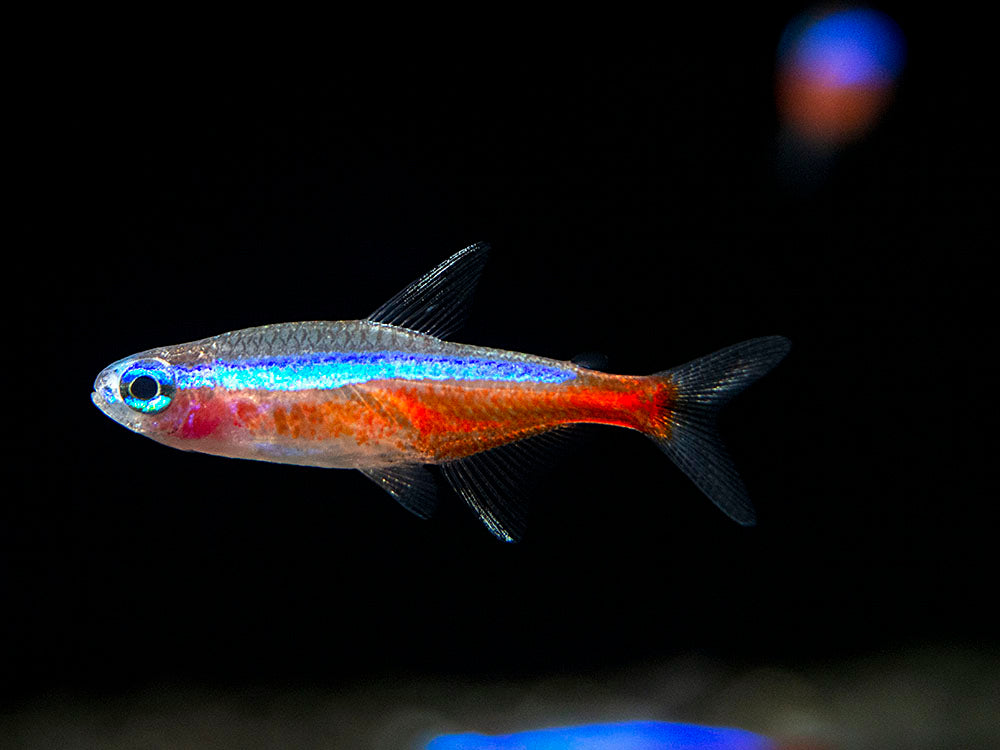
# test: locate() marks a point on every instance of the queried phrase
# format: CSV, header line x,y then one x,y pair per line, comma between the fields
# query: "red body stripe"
x,y
431,421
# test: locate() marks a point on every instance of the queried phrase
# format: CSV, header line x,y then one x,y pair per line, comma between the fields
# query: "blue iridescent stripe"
x,y
338,369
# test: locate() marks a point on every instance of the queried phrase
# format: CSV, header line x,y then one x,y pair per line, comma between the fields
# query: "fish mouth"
x,y
104,387
105,393
104,398
99,402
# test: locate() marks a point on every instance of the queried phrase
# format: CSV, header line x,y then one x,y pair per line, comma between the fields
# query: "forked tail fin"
x,y
689,435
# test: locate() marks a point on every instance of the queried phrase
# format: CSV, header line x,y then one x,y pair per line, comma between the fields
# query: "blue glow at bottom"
x,y
631,735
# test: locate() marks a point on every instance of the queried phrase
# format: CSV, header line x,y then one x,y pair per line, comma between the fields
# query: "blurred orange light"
x,y
836,74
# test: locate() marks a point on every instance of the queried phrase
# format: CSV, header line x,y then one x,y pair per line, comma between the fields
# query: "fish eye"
x,y
144,388
147,386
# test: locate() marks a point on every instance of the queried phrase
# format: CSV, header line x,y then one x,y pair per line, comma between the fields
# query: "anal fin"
x,y
496,483
412,485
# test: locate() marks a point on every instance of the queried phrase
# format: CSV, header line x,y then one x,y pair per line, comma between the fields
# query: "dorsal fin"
x,y
437,303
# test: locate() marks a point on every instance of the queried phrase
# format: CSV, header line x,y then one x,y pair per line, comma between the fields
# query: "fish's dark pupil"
x,y
143,388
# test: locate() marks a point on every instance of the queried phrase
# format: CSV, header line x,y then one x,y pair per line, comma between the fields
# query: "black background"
x,y
636,205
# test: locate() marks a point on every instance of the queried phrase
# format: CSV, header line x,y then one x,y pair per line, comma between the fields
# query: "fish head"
x,y
139,392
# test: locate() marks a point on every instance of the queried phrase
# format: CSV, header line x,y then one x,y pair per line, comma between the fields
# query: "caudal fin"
x,y
689,435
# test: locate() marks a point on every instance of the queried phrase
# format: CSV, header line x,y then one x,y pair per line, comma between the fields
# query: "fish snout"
x,y
105,388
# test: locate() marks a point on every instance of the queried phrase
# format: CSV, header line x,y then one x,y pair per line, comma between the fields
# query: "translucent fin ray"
x,y
412,485
497,482
591,360
690,436
438,302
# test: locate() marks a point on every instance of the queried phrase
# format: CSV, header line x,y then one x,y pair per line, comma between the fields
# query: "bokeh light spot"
x,y
836,73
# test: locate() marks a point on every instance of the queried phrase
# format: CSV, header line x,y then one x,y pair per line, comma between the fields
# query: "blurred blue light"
x,y
852,47
632,735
